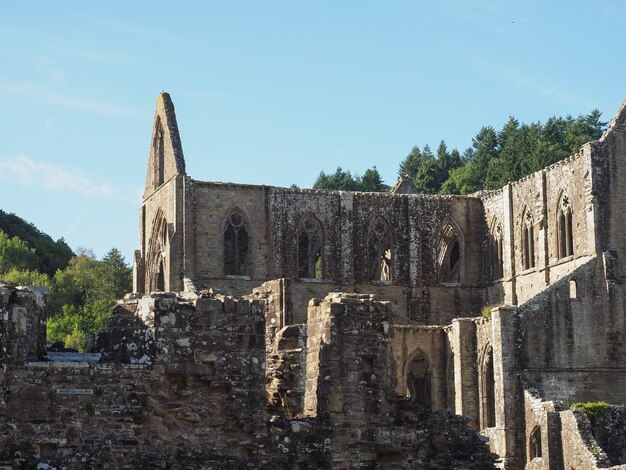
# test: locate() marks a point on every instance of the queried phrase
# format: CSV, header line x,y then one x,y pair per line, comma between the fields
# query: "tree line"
x,y
494,158
82,289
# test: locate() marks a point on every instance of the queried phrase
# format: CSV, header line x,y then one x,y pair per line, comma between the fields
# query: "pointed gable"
x,y
404,185
166,152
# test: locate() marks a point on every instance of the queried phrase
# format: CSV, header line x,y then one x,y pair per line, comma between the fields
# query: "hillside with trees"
x,y
82,289
494,158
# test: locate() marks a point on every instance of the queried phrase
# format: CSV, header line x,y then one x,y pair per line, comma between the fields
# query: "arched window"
x,y
528,240
497,262
379,250
565,229
159,154
158,248
449,254
534,443
487,390
419,378
310,248
573,289
235,244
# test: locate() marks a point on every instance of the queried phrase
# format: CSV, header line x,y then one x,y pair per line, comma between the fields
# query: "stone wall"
x,y
196,380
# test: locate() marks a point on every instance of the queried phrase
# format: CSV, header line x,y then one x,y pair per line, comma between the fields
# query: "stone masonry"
x,y
291,328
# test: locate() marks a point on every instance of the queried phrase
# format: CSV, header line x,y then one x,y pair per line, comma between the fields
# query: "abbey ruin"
x,y
293,328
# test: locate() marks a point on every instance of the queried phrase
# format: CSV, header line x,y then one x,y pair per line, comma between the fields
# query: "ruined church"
x,y
293,328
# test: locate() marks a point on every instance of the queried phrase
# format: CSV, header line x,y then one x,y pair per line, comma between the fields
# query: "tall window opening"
x,y
528,240
565,229
310,248
487,390
157,257
235,244
159,154
534,443
418,380
497,262
449,255
379,250
159,283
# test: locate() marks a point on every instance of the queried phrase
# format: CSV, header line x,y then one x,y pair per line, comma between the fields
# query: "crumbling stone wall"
x,y
22,324
182,382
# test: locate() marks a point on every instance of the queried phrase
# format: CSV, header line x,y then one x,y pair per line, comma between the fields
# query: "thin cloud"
x,y
28,173
79,219
66,101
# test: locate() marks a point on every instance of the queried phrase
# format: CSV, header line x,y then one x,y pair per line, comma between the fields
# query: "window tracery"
x,y
379,250
565,229
449,255
310,238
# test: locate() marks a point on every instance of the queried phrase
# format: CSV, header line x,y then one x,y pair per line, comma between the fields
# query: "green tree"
x,y
82,296
340,180
15,254
371,181
26,277
50,255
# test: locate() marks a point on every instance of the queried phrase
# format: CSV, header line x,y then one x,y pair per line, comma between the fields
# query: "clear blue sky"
x,y
274,92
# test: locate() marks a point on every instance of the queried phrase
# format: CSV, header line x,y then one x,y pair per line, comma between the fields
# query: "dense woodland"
x,y
493,159
83,289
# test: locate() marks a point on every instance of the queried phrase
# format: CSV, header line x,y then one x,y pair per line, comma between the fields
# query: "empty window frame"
x,y
528,240
310,238
379,250
565,230
236,244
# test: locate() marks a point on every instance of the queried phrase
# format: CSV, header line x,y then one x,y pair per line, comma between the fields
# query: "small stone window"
x,y
418,380
235,244
528,240
534,443
565,229
573,289
310,248
487,386
379,250
159,154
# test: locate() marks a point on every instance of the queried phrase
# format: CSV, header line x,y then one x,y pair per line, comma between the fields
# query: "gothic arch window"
x,y
310,238
565,230
497,262
449,261
419,379
528,240
379,250
236,243
159,154
158,248
534,443
487,389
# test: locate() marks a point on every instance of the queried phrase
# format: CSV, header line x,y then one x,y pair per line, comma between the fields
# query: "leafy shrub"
x,y
593,410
